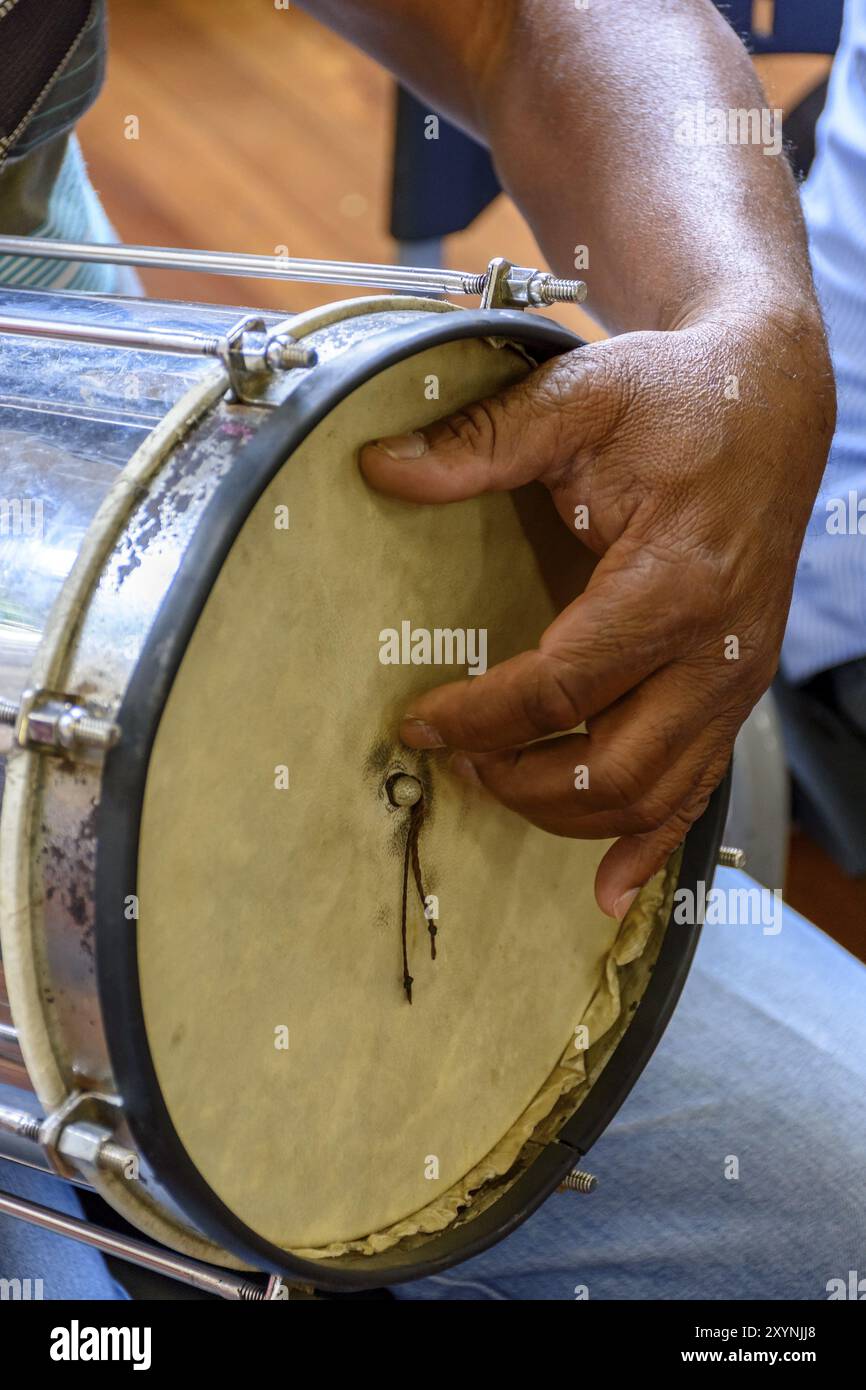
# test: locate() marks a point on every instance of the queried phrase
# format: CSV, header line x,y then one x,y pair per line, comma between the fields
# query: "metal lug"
x,y
79,1135
508,286
51,722
86,1145
251,351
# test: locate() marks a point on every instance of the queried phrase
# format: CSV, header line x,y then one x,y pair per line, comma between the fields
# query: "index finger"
x,y
526,432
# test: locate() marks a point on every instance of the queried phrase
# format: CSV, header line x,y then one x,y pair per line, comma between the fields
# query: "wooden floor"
x,y
259,130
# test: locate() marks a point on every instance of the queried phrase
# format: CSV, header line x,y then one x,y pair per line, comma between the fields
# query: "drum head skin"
x,y
317,1102
275,1073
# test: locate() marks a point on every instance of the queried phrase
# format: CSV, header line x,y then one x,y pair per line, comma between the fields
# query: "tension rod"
x,y
502,285
198,1275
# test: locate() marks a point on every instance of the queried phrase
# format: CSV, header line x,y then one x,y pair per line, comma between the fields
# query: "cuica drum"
x,y
285,993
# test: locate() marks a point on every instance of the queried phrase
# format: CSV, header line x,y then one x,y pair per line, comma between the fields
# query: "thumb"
x,y
529,431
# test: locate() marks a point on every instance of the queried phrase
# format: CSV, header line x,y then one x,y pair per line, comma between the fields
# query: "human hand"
x,y
697,454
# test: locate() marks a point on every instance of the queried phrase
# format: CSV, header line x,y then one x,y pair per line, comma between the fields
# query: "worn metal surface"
x,y
71,416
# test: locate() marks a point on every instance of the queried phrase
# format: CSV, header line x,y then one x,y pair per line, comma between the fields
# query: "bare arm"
x,y
695,440
579,108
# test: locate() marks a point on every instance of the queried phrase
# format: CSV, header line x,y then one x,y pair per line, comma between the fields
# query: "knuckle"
x,y
758,677
497,773
583,392
471,731
602,374
650,813
474,428
553,389
655,811
622,785
681,819
551,703
686,816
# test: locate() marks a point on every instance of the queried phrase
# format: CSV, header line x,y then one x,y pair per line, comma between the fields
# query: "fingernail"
x,y
624,902
465,768
404,446
416,734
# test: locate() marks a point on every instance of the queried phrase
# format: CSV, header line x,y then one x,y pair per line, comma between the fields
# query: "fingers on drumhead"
x,y
520,435
530,696
631,862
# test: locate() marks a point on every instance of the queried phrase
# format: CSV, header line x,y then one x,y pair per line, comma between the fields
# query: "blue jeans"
x,y
734,1170
764,1063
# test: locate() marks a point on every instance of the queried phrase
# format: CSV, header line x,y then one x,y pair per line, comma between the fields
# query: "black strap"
x,y
52,64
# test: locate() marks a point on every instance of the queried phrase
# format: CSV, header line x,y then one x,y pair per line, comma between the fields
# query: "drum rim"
x,y
119,821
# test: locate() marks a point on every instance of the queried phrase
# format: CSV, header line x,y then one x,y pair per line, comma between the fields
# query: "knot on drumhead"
x,y
404,790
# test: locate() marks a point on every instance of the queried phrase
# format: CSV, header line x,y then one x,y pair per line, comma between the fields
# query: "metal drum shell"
x,y
139,569
71,416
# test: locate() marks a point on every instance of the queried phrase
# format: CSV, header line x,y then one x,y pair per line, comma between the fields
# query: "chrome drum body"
x,y
72,416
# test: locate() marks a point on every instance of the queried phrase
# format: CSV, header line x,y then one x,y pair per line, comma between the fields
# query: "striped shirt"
x,y
827,626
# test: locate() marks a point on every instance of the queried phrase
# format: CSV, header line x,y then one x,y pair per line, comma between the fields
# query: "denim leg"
x,y
67,1270
761,1074
734,1169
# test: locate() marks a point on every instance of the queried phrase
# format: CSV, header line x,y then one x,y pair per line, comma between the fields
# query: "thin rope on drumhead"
x,y
414,837
411,856
407,978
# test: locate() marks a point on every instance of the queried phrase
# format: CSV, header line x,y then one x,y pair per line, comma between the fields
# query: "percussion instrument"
x,y
285,993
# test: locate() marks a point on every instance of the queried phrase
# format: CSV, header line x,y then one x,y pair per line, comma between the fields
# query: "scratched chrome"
x,y
71,415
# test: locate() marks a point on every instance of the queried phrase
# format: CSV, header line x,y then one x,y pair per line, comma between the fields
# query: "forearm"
x,y
580,109
582,117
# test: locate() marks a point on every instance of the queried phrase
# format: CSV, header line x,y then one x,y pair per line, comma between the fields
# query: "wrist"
x,y
778,341
759,304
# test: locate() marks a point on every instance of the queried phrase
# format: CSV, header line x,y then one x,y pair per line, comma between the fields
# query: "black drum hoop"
x,y
118,823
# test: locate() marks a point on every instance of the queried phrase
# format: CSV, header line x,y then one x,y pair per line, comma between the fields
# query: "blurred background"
x,y
259,130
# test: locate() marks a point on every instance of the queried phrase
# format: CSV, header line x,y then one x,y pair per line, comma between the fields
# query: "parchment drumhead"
x,y
269,913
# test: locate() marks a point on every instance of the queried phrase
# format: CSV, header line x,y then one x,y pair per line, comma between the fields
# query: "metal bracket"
x,y
54,722
251,352
79,1135
508,286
